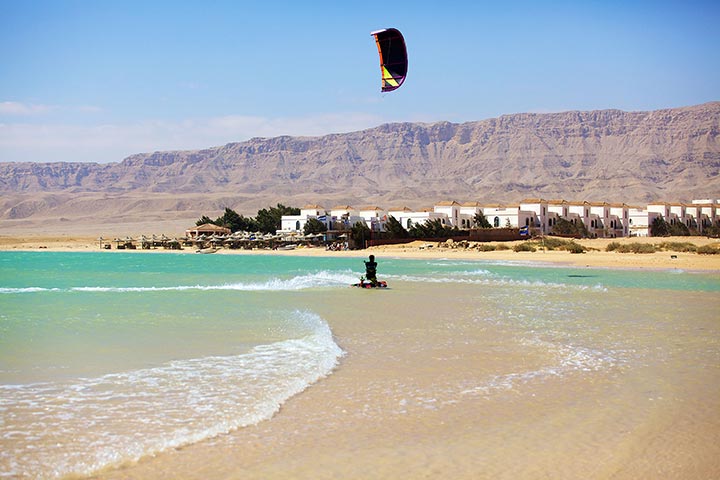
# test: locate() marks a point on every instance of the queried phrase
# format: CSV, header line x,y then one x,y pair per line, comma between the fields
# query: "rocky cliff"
x,y
610,155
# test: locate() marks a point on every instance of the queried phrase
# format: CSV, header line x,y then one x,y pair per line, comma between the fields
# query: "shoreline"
x,y
596,257
586,382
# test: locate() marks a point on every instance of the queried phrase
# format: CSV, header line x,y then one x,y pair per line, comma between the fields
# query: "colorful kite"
x,y
393,58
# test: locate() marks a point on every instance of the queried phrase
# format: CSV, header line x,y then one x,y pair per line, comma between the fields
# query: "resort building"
x,y
343,217
600,219
619,219
296,223
508,216
451,210
537,209
640,219
374,217
708,212
408,217
468,211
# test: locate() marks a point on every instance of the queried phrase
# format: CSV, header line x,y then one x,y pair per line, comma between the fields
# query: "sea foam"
x,y
121,417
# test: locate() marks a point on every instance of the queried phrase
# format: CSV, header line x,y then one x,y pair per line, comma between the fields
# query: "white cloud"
x,y
110,143
22,109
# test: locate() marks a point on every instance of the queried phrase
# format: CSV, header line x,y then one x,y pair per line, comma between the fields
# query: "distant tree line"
x,y
268,220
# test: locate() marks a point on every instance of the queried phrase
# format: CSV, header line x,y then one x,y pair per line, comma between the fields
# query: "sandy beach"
x,y
497,377
433,394
596,256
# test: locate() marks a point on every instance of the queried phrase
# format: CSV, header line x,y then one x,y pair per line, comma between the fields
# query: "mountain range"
x,y
605,155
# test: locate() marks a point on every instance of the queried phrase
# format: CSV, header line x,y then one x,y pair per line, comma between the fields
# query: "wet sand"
x,y
429,392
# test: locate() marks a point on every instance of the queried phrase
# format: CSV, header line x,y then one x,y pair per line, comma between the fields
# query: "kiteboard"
x,y
381,284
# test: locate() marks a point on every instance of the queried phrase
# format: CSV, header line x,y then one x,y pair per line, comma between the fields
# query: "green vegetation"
x,y
480,220
525,247
612,246
574,247
567,228
359,233
393,229
267,220
550,243
678,246
661,228
432,229
553,243
270,220
712,230
635,247
708,250
313,226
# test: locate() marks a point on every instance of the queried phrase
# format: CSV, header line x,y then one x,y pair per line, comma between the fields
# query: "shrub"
x,y
501,246
524,247
612,246
708,250
483,247
551,243
642,248
636,248
573,247
678,246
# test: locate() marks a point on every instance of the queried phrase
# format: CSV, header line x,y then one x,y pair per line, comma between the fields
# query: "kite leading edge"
x,y
393,58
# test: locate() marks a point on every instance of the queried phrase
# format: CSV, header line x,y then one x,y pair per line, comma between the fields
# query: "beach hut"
x,y
207,229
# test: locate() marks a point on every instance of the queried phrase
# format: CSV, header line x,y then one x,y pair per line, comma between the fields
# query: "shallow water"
x,y
107,358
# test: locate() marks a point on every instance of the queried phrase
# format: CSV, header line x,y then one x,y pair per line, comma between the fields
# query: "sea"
x,y
107,358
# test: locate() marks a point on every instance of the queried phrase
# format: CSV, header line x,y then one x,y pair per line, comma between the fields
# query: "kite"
x,y
393,58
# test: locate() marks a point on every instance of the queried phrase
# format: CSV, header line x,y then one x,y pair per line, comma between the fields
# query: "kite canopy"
x,y
393,58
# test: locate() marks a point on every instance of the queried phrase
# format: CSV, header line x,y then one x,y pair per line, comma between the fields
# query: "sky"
x,y
99,80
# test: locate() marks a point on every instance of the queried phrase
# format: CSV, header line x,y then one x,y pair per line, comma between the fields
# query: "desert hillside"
x,y
610,155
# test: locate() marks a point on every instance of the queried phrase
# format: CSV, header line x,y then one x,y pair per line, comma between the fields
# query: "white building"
x,y
502,216
600,218
639,221
408,217
619,219
451,210
296,223
374,217
468,210
537,209
344,217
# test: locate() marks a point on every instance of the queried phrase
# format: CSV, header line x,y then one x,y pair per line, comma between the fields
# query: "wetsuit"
x,y
371,271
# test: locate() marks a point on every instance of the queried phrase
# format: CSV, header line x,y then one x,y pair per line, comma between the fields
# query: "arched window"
x,y
297,225
409,223
496,221
527,222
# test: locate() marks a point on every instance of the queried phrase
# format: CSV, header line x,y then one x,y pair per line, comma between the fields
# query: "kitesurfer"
x,y
371,270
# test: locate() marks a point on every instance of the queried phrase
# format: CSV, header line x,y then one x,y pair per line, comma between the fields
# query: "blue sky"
x,y
98,80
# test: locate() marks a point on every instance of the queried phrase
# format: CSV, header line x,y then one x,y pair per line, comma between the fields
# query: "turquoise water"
x,y
107,357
